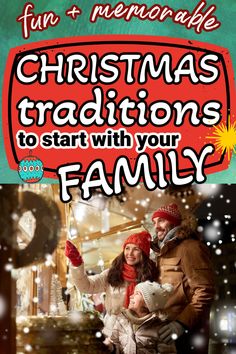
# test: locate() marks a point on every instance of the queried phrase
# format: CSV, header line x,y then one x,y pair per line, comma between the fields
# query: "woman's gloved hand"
x,y
73,254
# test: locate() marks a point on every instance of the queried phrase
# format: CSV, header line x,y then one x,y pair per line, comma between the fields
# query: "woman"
x,y
128,269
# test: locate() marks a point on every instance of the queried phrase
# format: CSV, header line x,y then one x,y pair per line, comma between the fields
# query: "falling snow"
x,y
75,316
198,341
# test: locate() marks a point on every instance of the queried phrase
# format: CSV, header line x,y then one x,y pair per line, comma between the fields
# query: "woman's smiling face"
x,y
132,254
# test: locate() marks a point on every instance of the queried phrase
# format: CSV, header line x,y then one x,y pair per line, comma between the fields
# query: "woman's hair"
x,y
146,270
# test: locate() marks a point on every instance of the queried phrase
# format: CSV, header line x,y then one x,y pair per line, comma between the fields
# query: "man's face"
x,y
162,227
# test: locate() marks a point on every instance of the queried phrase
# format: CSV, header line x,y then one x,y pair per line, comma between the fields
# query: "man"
x,y
184,261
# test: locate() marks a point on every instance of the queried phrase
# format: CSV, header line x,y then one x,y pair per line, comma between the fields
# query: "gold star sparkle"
x,y
224,138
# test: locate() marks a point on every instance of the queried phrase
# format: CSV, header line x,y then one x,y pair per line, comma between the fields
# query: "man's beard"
x,y
156,239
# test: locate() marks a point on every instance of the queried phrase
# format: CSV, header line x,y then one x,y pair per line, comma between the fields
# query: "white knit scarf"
x,y
169,236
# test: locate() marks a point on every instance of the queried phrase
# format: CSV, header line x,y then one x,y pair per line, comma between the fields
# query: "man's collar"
x,y
169,236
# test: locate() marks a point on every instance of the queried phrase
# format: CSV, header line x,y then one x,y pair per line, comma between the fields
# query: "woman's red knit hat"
x,y
141,239
169,212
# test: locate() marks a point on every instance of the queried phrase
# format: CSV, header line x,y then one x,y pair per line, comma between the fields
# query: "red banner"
x,y
85,99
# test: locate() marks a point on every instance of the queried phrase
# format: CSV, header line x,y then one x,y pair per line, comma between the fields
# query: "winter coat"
x,y
114,297
184,262
132,335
